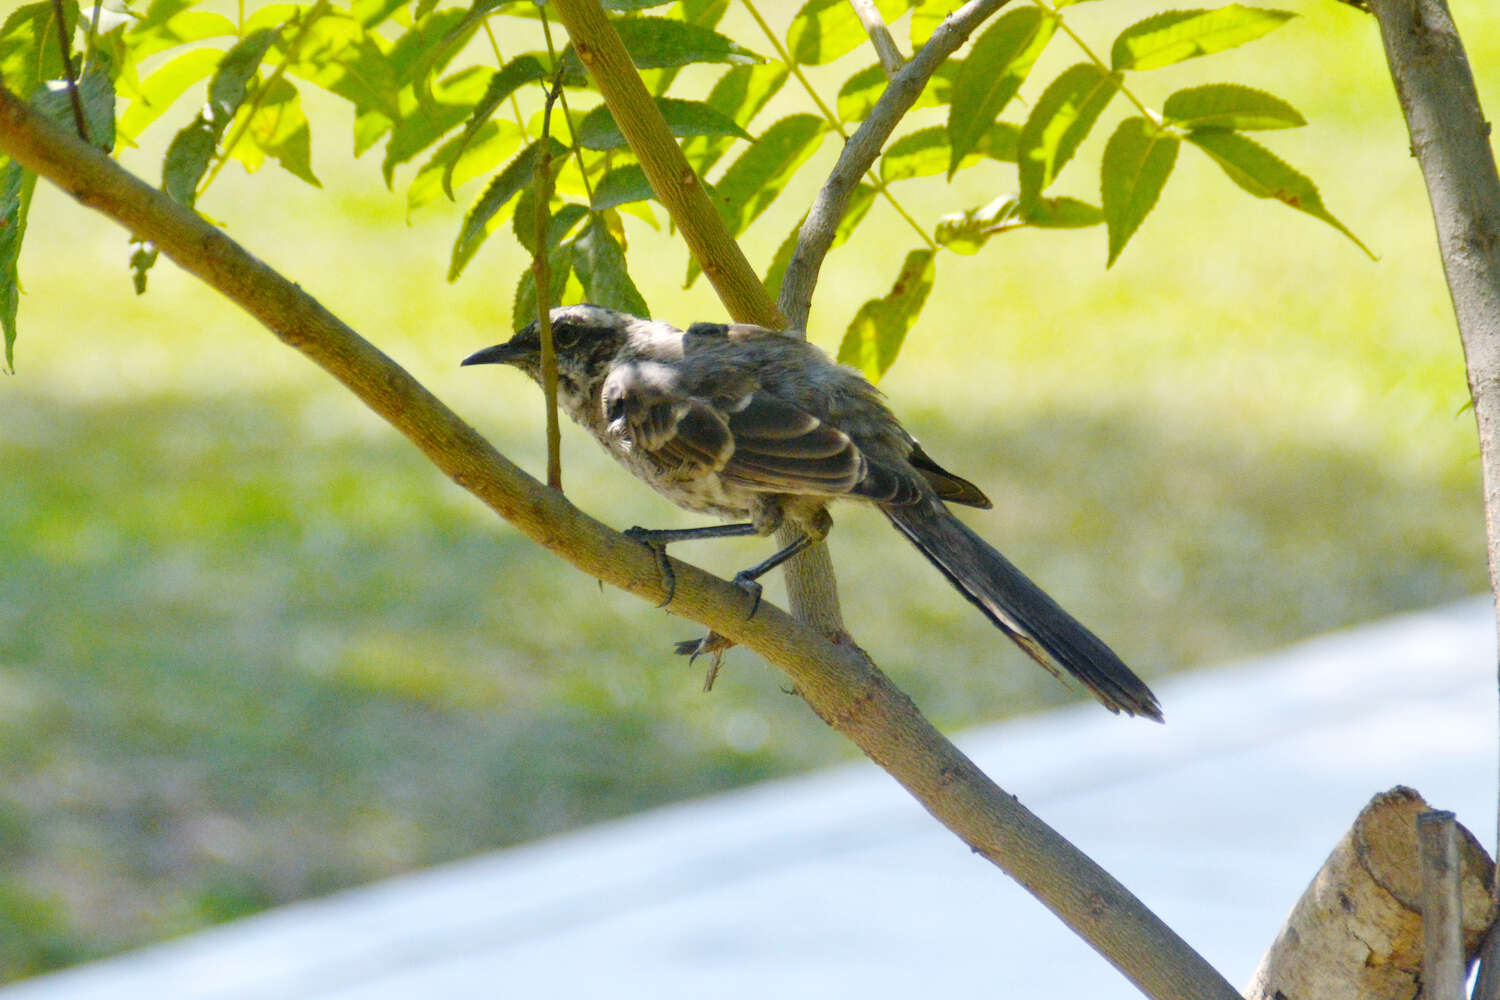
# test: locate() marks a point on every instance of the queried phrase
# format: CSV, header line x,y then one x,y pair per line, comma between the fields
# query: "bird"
x,y
762,429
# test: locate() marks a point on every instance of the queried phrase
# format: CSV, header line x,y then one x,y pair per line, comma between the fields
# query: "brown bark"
x,y
1356,933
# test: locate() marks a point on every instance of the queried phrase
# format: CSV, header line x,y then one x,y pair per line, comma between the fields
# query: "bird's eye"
x,y
564,334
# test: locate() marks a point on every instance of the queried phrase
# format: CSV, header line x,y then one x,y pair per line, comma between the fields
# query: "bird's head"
x,y
584,338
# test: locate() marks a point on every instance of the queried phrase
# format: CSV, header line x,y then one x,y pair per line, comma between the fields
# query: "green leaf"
x,y
339,55
1060,120
143,254
451,167
560,223
16,187
966,232
29,53
598,130
170,25
823,30
740,93
227,89
600,265
991,75
161,89
192,148
426,123
1229,105
754,180
523,306
925,20
429,45
876,334
187,159
488,211
1060,213
925,152
279,129
96,95
1137,162
503,82
860,92
1176,35
657,42
370,13
1260,172
275,16
621,186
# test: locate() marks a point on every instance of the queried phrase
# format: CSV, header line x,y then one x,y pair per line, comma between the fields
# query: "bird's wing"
x,y
779,447
757,440
645,407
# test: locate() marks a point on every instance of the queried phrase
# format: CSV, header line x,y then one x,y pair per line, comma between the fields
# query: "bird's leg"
x,y
657,540
747,579
815,528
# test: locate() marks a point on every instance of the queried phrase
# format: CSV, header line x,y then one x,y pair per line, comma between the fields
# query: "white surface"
x,y
838,885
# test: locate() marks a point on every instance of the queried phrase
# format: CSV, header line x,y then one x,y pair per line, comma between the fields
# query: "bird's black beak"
x,y
500,354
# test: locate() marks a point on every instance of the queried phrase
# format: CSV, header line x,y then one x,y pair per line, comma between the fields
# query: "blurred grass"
x,y
252,648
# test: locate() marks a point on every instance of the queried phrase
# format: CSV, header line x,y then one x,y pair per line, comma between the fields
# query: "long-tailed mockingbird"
x,y
761,428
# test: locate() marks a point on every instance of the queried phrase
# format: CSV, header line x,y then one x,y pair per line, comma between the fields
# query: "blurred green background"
x,y
253,648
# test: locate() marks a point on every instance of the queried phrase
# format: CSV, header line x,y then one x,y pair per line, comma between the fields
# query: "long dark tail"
x,y
1020,608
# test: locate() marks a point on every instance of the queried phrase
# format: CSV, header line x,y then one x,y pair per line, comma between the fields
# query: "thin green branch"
x,y
515,105
541,270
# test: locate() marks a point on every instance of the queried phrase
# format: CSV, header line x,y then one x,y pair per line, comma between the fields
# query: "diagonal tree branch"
x,y
835,679
816,237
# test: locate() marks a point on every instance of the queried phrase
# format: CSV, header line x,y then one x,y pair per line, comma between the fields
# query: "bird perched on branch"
x,y
763,429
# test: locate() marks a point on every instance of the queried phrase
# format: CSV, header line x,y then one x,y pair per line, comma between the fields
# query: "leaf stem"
x,y
1057,18
515,105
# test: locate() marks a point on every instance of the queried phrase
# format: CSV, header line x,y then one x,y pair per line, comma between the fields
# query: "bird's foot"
x,y
658,548
745,580
713,644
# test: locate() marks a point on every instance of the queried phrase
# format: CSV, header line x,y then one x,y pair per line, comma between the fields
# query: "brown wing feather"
x,y
780,447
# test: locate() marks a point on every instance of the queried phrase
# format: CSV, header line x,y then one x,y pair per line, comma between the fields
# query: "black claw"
x,y
748,584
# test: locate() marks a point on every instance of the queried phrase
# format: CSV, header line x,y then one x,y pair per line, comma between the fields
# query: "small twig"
x,y
93,34
541,271
67,60
816,237
1442,926
886,49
